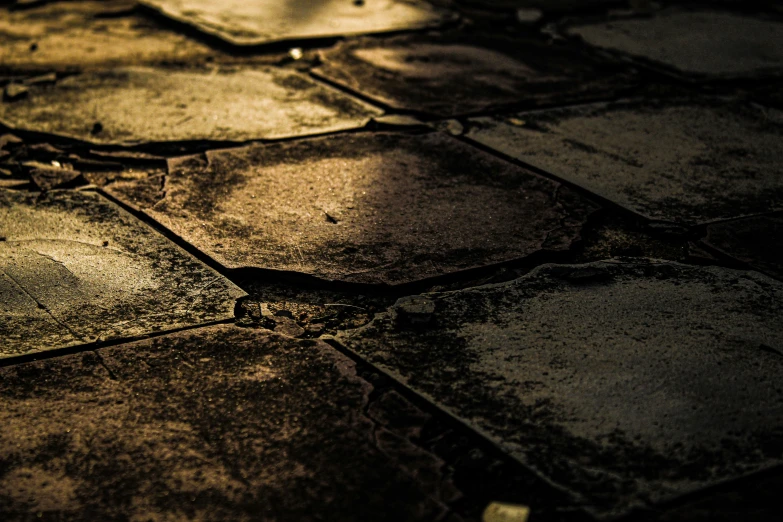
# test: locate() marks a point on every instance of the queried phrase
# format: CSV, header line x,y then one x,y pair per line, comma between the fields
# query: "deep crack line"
x,y
44,307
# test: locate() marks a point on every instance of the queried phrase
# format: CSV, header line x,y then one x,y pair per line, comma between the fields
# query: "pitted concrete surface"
x,y
383,208
75,269
709,160
219,424
143,104
627,383
259,22
708,43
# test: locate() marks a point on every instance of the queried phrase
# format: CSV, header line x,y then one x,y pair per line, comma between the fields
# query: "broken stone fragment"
x,y
140,105
689,174
258,22
377,208
644,385
14,92
415,310
716,44
76,269
49,177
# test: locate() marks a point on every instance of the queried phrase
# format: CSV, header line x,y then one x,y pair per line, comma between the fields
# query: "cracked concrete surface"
x,y
75,269
294,260
674,366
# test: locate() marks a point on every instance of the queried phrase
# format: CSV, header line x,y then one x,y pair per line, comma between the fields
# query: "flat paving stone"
x,y
628,383
77,35
220,423
452,74
681,161
134,105
756,241
256,22
702,43
362,208
75,268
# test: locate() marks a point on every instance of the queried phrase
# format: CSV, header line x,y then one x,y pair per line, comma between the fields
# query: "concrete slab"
x,y
257,22
627,383
682,161
455,73
556,6
142,104
75,269
758,242
220,423
65,36
703,43
362,208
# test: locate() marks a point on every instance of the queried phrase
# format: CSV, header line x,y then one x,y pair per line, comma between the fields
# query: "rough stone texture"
x,y
215,424
688,162
74,269
757,242
770,94
76,35
628,383
704,43
546,5
139,104
256,22
382,208
453,74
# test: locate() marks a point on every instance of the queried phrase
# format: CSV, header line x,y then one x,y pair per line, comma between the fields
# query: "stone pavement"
x,y
391,260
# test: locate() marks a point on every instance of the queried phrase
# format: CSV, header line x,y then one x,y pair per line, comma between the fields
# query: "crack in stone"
x,y
43,307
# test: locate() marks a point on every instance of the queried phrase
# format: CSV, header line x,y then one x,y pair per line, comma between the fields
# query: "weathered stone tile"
x,y
627,383
75,269
703,43
687,161
257,22
556,6
381,208
219,423
453,74
756,241
139,104
77,35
